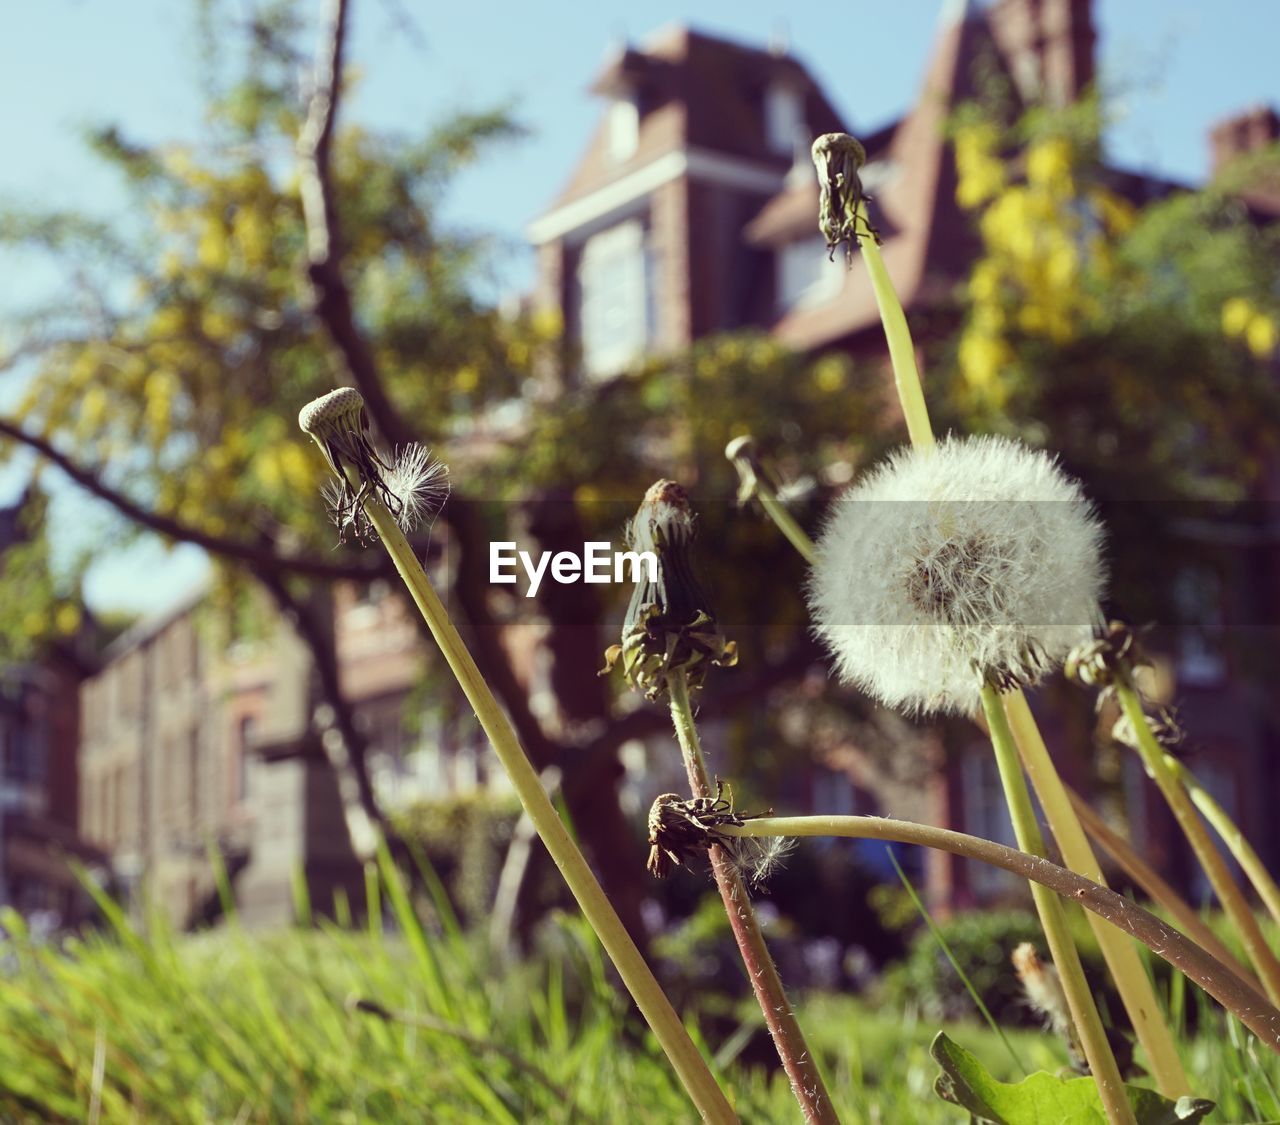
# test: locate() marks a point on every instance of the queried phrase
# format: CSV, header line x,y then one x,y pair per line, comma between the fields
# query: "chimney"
x,y
1246,132
1048,46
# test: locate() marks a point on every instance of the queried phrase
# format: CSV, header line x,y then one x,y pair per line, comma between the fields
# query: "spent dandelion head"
x,y
837,158
681,827
412,485
976,562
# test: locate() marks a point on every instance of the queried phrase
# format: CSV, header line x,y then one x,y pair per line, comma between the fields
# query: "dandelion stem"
x,y
1093,1039
902,353
649,997
1234,994
801,1067
776,510
1146,876
1211,860
755,484
1122,958
1231,835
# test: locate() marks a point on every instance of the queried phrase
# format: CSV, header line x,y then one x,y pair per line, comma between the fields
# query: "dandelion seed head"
x,y
977,560
420,485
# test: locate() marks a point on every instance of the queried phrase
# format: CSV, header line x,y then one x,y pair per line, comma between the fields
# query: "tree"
x,y
283,255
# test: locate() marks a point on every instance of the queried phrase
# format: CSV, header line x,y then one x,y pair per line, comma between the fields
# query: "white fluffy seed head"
x,y
420,483
976,560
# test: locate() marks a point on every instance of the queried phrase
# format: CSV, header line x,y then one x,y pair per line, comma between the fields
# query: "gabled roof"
x,y
695,92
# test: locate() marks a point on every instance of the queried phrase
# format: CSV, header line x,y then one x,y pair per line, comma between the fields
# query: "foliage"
x,y
31,599
1132,329
1045,1097
464,838
227,1025
983,942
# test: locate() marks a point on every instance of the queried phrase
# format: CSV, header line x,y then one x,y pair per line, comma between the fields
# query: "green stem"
x,y
1121,955
1093,1039
797,1060
1231,835
1150,880
1234,994
1215,867
902,353
776,510
649,997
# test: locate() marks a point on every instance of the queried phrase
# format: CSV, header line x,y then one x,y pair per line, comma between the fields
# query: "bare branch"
x,y
332,298
348,752
258,557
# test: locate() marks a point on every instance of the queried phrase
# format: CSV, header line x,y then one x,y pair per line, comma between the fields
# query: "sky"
x,y
1173,68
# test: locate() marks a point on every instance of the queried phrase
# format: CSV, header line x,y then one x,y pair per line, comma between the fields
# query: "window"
x,y
806,274
615,294
1197,594
783,117
624,127
986,814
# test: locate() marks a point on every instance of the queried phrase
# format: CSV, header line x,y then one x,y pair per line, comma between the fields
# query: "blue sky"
x,y
1174,67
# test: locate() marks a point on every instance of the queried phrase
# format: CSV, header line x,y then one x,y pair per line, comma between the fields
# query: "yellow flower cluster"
x,y
1040,236
1242,320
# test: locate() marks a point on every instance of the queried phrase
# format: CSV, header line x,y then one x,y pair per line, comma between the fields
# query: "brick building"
x,y
39,781
194,736
693,209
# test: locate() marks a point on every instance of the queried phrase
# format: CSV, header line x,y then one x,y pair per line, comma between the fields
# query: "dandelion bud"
x,y
837,157
976,562
669,625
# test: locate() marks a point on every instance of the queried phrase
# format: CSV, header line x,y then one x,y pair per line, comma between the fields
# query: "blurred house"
x,y
198,735
693,210
39,780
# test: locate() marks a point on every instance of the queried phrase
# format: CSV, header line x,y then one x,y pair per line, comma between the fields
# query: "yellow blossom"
x,y
1236,314
1260,336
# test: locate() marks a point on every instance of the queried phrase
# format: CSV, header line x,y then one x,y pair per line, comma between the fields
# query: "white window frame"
x,y
615,306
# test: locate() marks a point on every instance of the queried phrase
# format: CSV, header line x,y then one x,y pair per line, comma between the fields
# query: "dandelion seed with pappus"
x,y
978,561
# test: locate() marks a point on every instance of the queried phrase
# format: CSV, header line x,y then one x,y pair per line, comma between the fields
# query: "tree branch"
x,y
349,754
257,557
332,298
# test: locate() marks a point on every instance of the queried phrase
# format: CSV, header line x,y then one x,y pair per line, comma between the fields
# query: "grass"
x,y
238,1027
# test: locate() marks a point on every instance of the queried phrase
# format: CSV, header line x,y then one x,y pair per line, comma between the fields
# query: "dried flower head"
x,y
412,486
669,625
837,157
977,561
680,828
1162,722
1114,653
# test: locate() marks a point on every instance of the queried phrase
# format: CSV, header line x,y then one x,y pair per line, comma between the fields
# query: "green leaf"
x,y
1043,1098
